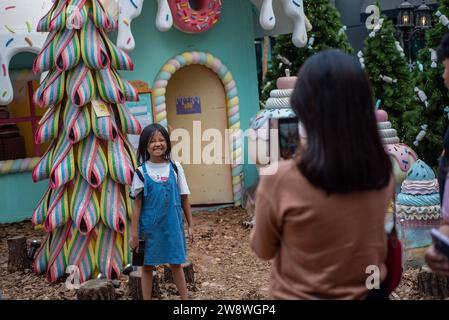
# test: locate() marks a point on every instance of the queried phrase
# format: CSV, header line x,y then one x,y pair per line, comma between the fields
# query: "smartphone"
x,y
441,242
138,255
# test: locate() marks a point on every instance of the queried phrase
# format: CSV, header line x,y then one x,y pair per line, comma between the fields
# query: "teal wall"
x,y
19,196
231,40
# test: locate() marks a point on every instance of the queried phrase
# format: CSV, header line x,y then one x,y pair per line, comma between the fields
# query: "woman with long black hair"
x,y
321,216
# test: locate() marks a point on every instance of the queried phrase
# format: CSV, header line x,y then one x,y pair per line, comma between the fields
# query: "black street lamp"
x,y
413,21
405,16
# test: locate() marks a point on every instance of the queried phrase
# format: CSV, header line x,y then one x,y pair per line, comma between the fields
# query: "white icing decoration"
x,y
128,12
295,11
15,37
164,17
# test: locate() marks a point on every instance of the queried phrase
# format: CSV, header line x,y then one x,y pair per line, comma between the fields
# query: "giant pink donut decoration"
x,y
193,21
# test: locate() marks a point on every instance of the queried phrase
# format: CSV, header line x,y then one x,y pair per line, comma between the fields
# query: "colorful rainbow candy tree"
x,y
89,162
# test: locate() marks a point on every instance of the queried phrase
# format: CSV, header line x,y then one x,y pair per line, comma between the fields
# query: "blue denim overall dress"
x,y
161,222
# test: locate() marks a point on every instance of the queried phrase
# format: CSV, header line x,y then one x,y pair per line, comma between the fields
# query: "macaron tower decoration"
x,y
401,155
418,210
276,107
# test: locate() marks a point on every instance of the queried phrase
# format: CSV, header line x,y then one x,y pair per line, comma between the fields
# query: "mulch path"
x,y
225,267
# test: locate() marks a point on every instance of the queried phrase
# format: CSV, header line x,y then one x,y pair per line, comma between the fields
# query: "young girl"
x,y
159,190
321,216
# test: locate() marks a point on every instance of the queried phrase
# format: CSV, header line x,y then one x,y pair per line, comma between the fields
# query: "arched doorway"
x,y
209,183
216,73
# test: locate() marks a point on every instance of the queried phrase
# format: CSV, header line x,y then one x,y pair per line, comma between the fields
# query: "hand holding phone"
x,y
441,242
138,254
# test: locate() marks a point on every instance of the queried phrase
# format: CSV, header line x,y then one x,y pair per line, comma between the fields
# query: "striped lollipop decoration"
x,y
43,168
49,123
120,163
104,126
108,86
45,59
40,213
51,90
85,211
76,122
81,253
76,14
92,161
93,49
67,51
63,166
102,19
108,252
80,85
113,206
57,261
131,93
120,60
128,123
126,247
85,207
54,20
40,263
58,209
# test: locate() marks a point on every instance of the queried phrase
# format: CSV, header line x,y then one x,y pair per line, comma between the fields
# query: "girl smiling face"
x,y
157,146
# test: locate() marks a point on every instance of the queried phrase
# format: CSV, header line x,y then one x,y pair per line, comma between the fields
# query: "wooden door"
x,y
208,183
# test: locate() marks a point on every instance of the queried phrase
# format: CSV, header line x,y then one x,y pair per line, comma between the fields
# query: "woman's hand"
x,y
436,260
134,242
190,232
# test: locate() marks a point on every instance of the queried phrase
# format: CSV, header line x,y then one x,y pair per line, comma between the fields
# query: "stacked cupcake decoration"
x,y
276,107
418,210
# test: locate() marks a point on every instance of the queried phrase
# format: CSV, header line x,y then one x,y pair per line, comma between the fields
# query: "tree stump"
x,y
188,273
432,284
135,285
18,255
97,289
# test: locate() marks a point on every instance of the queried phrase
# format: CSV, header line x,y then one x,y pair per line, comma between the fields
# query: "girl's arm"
x,y
186,208
134,237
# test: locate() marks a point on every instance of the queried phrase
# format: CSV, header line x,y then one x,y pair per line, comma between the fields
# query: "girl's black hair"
x,y
333,99
145,137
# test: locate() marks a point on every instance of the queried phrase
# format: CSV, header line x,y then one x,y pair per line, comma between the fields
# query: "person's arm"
x,y
435,259
265,236
188,214
134,236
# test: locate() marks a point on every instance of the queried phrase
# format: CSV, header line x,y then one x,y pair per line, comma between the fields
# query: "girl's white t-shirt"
x,y
159,172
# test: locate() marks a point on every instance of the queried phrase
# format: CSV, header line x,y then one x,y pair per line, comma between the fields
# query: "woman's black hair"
x,y
444,166
443,48
145,137
333,99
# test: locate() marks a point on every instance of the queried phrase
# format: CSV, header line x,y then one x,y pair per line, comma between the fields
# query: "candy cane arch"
x,y
232,105
294,9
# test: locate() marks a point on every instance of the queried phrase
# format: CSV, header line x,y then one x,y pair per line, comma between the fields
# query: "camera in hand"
x,y
138,254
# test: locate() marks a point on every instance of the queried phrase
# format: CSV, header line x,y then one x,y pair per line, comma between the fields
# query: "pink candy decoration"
x,y
381,116
286,83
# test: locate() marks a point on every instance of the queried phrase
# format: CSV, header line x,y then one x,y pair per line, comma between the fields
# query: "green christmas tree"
x,y
429,80
328,32
388,70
